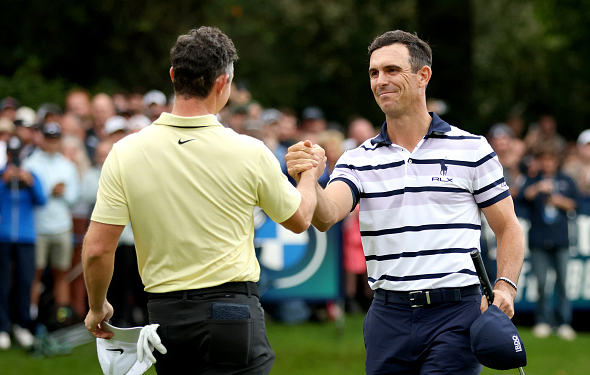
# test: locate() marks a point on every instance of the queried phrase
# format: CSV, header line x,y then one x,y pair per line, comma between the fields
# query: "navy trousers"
x,y
433,339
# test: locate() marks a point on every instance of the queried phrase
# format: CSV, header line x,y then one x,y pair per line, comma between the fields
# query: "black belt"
x,y
242,287
420,298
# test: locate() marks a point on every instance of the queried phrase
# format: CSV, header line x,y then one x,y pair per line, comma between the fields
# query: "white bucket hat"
x,y
123,354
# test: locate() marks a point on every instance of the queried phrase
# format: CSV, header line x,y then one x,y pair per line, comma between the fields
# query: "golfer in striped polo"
x,y
421,185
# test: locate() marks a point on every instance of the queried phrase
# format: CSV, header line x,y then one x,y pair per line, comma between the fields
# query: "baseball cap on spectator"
x,y
501,129
584,137
51,130
312,113
154,97
138,122
25,116
269,116
115,124
496,342
6,125
48,109
9,102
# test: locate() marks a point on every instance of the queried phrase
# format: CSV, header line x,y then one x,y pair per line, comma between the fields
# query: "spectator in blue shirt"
x,y
20,192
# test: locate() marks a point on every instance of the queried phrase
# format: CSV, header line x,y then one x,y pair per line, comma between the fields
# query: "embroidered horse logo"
x,y
443,168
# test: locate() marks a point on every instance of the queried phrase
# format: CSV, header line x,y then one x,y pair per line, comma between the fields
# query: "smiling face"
x,y
395,87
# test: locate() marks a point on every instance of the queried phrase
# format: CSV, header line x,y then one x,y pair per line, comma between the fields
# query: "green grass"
x,y
319,348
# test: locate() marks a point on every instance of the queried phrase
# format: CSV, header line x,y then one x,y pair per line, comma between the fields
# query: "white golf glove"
x,y
148,340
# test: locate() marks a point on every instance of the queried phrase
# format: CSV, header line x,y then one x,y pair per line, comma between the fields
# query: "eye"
x,y
373,74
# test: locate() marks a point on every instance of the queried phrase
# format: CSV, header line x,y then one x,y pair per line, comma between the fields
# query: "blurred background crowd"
x,y
50,161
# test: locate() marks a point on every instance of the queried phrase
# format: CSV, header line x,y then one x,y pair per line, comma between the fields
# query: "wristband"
x,y
507,280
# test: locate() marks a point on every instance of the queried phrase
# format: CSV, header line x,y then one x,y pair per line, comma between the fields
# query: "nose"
x,y
380,80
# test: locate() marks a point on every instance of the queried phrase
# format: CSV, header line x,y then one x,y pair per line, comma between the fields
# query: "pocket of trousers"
x,y
230,342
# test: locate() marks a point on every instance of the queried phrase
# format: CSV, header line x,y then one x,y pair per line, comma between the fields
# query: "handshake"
x,y
305,157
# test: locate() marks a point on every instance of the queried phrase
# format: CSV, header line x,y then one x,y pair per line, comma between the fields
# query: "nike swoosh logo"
x,y
116,350
183,142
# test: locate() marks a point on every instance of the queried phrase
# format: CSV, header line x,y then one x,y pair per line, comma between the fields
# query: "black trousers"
x,y
210,332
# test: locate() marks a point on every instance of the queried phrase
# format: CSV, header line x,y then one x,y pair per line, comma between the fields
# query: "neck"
x,y
408,129
194,106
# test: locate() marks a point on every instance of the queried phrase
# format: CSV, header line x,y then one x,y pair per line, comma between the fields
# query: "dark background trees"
x,y
490,57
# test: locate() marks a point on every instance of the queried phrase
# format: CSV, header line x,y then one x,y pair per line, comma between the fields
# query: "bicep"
x,y
501,215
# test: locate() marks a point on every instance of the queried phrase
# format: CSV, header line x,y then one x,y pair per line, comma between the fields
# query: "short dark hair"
x,y
198,58
420,51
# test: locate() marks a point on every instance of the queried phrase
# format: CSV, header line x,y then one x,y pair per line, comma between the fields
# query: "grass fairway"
x,y
322,349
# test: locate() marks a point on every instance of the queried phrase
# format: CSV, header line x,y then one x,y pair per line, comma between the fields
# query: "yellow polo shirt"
x,y
189,186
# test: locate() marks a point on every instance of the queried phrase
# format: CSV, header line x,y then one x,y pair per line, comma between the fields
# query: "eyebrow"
x,y
386,67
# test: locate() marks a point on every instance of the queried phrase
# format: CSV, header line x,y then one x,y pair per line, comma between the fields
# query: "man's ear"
x,y
172,74
221,82
425,73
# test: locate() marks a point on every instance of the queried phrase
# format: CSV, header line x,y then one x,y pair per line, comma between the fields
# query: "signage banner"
x,y
297,266
578,271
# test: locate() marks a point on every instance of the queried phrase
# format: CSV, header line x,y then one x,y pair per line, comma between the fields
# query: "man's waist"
x,y
418,298
240,287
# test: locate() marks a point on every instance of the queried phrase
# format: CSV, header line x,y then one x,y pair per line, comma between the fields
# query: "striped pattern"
x,y
419,212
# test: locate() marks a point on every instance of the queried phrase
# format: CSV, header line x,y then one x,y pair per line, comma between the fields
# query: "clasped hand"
x,y
304,156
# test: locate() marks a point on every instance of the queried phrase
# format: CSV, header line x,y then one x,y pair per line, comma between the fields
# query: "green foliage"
x,y
30,87
490,56
532,54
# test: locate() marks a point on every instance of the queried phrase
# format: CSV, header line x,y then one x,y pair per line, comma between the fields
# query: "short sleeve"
x,y
111,204
277,197
489,185
344,171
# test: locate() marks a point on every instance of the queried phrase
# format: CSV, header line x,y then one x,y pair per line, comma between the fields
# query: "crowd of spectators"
x,y
50,161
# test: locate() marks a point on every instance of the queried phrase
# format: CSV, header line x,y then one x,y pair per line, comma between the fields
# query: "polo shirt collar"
x,y
187,122
437,125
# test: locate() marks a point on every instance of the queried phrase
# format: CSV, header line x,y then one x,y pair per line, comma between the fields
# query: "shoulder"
x,y
459,134
242,143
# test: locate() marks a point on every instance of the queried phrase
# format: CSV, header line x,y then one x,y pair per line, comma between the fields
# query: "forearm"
x,y
98,261
98,271
306,188
510,256
563,202
334,204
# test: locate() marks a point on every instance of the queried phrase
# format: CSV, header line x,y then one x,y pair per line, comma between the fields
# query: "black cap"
x,y
312,113
496,342
52,130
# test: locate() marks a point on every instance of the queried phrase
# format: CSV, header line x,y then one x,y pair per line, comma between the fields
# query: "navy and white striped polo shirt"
x,y
419,212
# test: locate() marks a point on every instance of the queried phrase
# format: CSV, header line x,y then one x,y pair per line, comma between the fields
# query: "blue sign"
x,y
297,266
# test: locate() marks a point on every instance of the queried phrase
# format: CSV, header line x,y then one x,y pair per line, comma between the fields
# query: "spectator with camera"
x,y
20,192
551,197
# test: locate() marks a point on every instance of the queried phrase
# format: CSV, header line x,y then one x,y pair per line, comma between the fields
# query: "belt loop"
x,y
249,289
184,295
457,295
385,295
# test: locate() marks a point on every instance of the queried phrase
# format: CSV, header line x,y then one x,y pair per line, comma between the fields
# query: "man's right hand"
x,y
304,156
94,318
10,172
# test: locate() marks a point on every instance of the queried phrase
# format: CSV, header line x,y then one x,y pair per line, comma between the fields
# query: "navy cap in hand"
x,y
496,342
